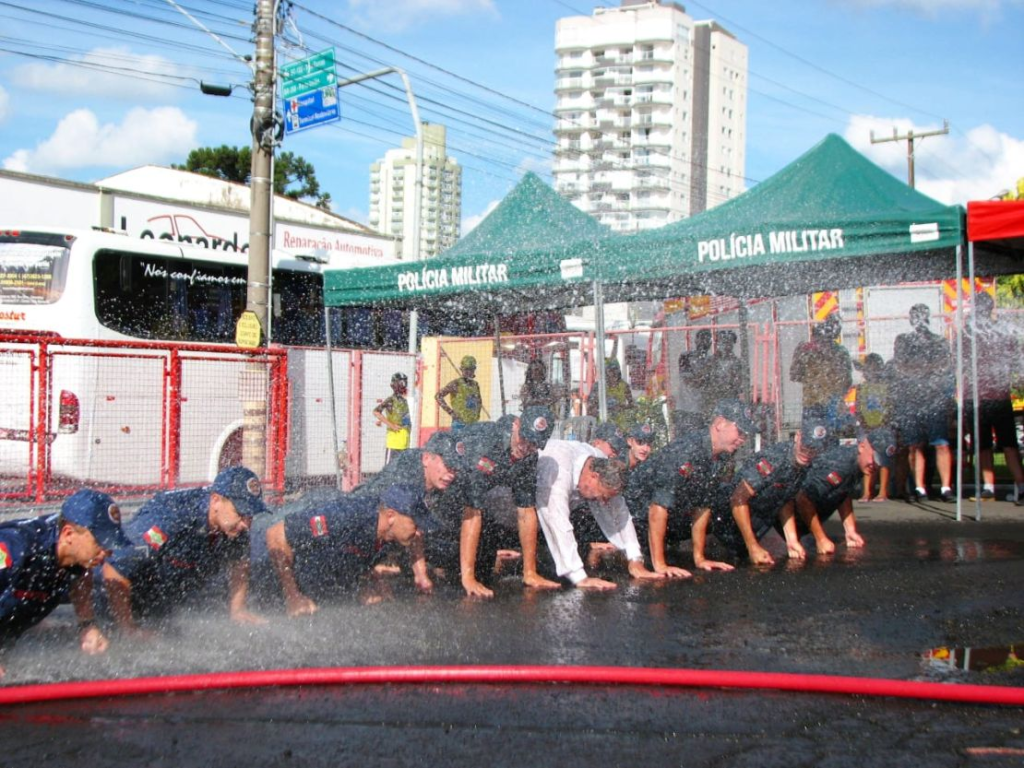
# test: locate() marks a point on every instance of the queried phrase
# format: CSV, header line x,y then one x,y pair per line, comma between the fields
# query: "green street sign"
x,y
309,74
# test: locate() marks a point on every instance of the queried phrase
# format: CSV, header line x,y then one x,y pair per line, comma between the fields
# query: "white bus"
x,y
107,412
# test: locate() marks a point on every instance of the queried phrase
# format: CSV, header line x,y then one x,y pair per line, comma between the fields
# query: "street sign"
x,y
308,74
308,110
248,331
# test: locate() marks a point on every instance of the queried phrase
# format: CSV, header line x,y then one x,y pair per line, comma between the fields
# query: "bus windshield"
x,y
32,272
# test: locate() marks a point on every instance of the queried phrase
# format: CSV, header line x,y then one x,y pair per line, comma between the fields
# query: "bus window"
x,y
154,297
32,272
394,329
298,308
358,330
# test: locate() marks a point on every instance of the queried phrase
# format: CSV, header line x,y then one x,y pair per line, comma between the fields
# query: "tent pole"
x,y
602,384
331,398
959,372
974,385
501,368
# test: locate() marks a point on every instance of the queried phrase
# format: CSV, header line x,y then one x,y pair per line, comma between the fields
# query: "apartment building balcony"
x,y
653,161
612,59
652,120
570,126
652,182
654,77
569,84
566,64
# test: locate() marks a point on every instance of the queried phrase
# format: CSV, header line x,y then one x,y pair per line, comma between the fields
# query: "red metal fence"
x,y
133,417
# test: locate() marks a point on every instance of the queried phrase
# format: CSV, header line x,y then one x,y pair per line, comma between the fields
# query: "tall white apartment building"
x,y
393,190
651,114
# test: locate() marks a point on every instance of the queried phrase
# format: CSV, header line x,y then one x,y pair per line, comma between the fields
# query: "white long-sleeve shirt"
x,y
559,467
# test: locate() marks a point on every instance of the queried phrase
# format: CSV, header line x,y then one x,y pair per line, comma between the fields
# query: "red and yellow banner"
x,y
981,285
823,304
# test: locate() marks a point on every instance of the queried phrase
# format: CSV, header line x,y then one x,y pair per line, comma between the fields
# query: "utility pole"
x,y
909,138
264,137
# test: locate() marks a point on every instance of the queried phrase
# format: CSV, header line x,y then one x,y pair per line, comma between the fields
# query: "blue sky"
x,y
89,89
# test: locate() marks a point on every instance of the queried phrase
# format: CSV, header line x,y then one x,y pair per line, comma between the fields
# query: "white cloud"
x,y
398,15
104,72
953,168
468,225
159,135
5,104
540,166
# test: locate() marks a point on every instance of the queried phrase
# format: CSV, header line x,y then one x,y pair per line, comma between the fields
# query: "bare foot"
x,y
536,581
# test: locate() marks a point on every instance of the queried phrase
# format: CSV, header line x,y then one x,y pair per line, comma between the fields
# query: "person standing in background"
x,y
999,359
466,400
393,414
874,411
693,370
822,365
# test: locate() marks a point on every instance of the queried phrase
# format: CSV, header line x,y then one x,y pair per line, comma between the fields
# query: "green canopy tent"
x,y
830,219
531,252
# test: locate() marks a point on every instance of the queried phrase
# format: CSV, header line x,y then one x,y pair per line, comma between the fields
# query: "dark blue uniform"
x,y
175,555
775,478
334,543
32,584
486,451
832,478
406,468
682,477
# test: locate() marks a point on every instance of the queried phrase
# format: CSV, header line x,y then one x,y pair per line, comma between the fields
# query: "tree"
x,y
294,177
1010,289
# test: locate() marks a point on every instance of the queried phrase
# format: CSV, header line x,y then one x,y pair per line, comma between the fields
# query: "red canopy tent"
x,y
995,220
997,227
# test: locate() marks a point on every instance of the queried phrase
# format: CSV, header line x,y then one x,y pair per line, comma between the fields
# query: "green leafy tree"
x,y
1010,289
294,177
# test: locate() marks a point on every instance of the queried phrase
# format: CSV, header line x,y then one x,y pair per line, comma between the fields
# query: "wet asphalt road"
x,y
923,582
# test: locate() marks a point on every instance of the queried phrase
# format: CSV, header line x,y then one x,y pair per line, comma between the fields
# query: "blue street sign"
x,y
308,110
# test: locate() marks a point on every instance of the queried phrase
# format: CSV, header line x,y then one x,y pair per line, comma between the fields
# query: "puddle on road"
x,y
997,659
966,550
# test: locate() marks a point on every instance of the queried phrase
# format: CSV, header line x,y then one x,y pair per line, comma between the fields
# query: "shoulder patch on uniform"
x,y
318,525
155,537
834,478
5,556
686,469
485,465
764,468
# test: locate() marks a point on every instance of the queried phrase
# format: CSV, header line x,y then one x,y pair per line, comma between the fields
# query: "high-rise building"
x,y
393,190
651,114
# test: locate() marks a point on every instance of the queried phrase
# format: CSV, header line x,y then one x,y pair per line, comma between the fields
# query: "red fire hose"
x,y
480,675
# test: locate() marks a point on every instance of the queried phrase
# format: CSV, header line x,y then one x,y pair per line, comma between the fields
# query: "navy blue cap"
x,y
814,434
642,433
612,435
405,501
883,442
737,412
242,488
445,446
99,514
536,425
